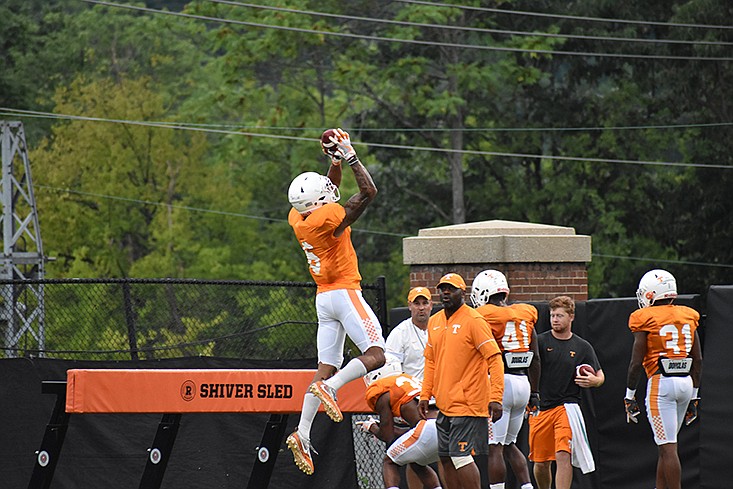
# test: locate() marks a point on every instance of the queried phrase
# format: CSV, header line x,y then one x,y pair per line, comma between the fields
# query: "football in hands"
x,y
584,369
328,146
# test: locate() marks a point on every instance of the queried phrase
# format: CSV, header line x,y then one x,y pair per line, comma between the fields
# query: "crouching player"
x,y
393,394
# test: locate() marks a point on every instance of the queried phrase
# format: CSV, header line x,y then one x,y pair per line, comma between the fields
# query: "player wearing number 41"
x,y
667,348
322,227
513,330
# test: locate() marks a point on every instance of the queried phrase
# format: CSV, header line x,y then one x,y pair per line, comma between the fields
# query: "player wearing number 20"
x,y
513,329
667,348
393,394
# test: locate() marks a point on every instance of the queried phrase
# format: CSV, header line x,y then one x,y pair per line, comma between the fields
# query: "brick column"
x,y
539,261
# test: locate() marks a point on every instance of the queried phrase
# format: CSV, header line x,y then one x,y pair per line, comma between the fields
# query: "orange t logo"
x,y
462,446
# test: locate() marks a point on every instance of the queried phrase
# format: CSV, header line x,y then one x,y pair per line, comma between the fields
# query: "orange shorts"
x,y
549,432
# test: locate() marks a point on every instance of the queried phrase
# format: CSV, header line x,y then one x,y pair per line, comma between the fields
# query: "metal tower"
x,y
22,312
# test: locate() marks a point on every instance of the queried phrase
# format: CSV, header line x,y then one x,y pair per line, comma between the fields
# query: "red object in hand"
x,y
328,146
584,369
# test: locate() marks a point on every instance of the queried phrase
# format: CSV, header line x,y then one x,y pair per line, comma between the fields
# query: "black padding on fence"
x,y
109,450
23,414
716,392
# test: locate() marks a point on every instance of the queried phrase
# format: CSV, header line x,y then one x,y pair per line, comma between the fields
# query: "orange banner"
x,y
197,391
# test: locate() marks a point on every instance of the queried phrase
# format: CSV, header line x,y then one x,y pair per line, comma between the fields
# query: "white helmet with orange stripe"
x,y
656,285
310,190
486,284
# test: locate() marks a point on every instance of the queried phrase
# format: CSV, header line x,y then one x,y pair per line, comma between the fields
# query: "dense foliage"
x,y
519,126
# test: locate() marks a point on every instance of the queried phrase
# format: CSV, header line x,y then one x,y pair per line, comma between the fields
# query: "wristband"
x,y
630,393
696,393
353,161
335,162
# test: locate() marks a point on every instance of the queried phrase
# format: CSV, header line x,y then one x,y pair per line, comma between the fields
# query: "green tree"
x,y
112,185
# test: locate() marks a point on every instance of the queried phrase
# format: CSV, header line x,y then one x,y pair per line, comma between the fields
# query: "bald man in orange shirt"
x,y
459,353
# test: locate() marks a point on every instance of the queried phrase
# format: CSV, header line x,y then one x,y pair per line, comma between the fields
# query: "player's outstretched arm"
x,y
357,204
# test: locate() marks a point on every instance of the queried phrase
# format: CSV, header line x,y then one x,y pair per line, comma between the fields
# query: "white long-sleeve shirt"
x,y
407,342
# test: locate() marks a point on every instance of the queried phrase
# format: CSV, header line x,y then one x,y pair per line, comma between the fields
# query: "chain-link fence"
x,y
123,319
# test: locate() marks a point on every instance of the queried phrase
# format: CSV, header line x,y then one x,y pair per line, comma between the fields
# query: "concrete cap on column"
x,y
496,242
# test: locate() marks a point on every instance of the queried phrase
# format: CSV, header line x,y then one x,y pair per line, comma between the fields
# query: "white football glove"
x,y
343,142
367,424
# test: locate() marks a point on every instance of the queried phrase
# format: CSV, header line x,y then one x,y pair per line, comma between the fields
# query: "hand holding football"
x,y
584,369
328,146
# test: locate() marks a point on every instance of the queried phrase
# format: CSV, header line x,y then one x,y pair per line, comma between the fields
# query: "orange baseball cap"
x,y
416,292
454,279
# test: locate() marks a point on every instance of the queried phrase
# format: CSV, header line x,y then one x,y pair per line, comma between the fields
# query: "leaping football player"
x,y
322,228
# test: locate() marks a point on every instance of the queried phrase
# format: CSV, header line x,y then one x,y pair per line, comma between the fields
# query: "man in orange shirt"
x,y
667,348
322,227
459,352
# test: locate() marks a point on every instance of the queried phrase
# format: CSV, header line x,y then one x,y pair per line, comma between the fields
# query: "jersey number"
x,y
313,261
416,386
673,333
515,338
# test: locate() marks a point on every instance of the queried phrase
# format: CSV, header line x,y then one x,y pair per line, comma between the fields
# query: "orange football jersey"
x,y
402,389
332,261
458,355
511,326
671,331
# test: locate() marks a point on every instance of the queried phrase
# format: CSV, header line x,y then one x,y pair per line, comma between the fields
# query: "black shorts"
x,y
462,435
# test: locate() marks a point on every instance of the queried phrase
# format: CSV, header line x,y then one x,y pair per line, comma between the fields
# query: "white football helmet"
x,y
656,285
392,366
310,190
486,284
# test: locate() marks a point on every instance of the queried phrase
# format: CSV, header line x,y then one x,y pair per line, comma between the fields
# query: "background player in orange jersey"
x,y
459,352
667,348
513,329
322,227
557,433
391,393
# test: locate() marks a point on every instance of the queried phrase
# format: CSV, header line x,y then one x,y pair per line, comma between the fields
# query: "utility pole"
x,y
22,306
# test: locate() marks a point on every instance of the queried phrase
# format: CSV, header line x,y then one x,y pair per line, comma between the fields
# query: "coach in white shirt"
x,y
407,340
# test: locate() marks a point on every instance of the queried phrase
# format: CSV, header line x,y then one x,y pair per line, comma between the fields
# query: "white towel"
x,y
581,455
